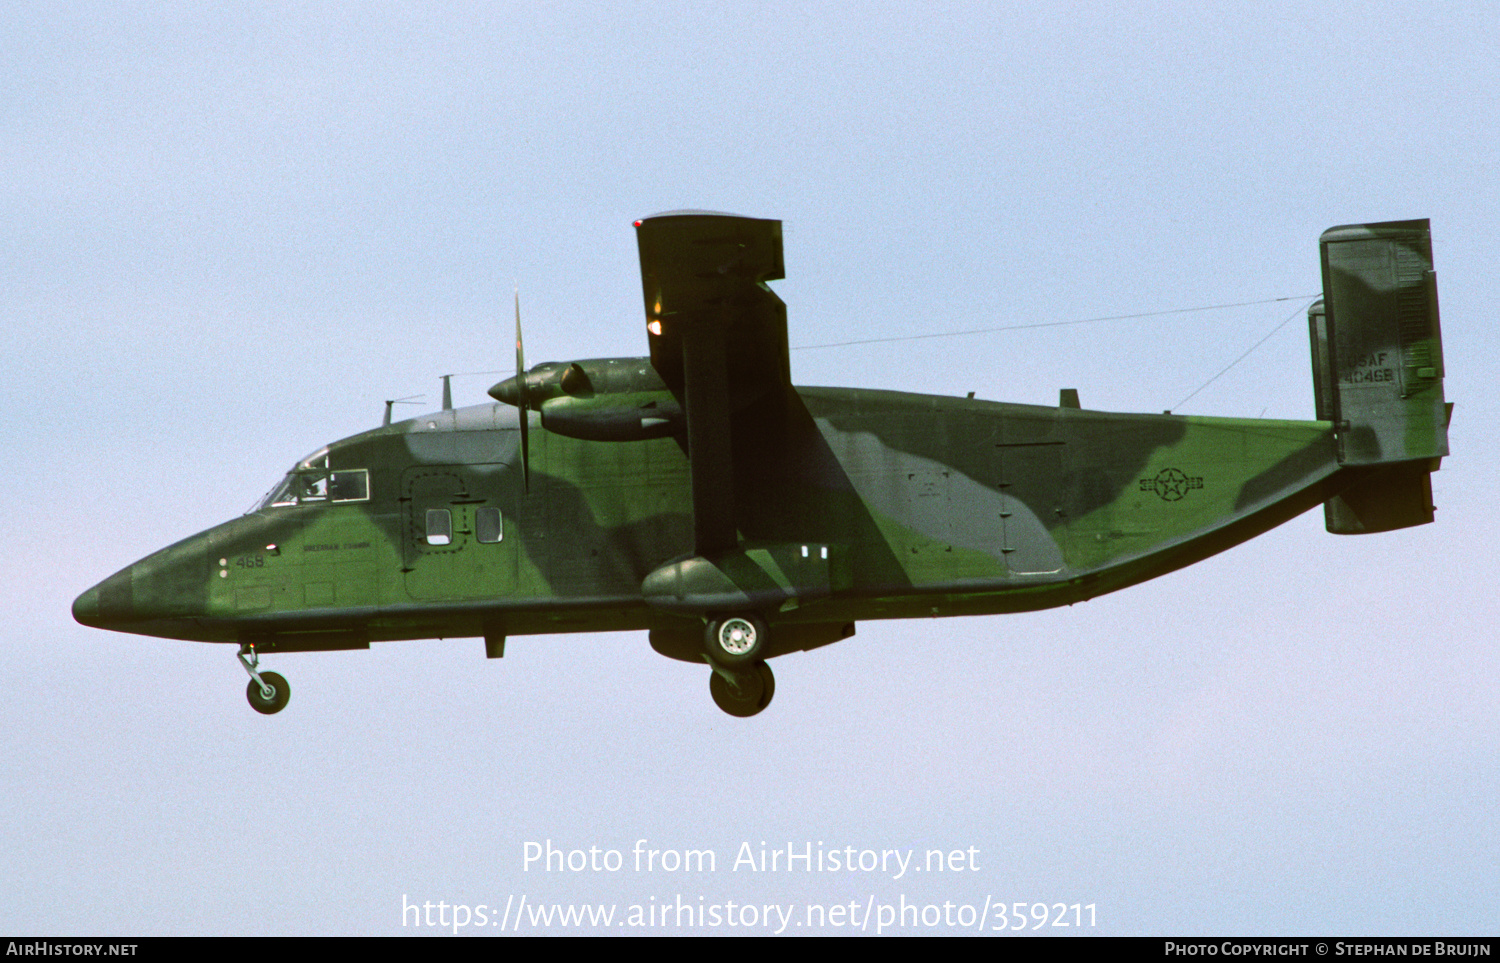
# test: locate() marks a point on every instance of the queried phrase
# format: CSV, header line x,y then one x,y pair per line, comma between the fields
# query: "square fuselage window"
x,y
439,526
487,525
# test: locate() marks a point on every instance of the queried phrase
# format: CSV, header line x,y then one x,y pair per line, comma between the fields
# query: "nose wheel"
x,y
742,693
267,692
268,704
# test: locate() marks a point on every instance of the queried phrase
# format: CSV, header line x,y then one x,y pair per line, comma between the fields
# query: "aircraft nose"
x,y
158,595
108,603
86,608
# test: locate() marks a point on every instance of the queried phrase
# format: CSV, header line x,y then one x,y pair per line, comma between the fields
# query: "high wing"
x,y
718,340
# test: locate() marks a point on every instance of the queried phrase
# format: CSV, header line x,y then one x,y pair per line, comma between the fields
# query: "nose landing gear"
x,y
268,692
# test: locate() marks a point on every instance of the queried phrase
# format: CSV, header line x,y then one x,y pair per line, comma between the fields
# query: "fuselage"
x,y
873,504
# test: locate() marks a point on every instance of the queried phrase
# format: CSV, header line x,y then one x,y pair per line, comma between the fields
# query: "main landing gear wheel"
x,y
745,693
268,704
739,640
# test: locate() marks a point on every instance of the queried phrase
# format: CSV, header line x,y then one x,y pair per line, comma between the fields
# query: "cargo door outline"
x,y
464,567
1031,489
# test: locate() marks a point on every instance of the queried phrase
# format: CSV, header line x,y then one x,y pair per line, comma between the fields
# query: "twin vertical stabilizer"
x,y
1378,372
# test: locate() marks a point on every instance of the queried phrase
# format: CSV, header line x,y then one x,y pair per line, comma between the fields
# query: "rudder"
x,y
1378,372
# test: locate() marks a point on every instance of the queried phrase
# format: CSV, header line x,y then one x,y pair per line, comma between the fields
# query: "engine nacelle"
x,y
602,399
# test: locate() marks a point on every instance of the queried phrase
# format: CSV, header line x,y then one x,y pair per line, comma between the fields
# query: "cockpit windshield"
x,y
310,482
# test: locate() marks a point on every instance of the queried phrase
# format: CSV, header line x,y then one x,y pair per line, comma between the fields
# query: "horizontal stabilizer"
x,y
1388,498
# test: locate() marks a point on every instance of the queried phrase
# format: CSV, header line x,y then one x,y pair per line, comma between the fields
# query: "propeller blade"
x,y
522,402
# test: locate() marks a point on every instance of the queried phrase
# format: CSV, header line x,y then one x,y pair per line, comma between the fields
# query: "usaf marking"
x,y
1369,370
1171,484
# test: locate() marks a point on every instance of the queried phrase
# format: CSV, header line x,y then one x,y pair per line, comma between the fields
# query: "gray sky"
x,y
233,230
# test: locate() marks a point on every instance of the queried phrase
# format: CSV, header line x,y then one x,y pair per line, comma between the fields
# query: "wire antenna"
x,y
389,402
1053,324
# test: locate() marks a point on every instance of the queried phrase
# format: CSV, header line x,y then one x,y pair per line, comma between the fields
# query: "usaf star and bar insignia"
x,y
1171,484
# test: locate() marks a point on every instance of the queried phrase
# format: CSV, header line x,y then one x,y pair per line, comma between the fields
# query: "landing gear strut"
x,y
268,692
742,693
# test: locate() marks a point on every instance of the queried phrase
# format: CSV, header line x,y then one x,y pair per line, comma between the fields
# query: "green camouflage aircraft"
x,y
697,494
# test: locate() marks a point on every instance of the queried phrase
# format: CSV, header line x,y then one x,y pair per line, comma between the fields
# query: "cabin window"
x,y
487,525
439,526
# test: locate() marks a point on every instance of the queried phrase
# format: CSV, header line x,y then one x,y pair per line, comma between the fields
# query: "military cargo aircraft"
x,y
698,495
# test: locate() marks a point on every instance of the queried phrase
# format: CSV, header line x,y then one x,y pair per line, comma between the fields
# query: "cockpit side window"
x,y
311,483
311,488
350,485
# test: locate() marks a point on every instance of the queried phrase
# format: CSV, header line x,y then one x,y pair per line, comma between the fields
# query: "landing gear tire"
x,y
736,641
748,694
280,693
